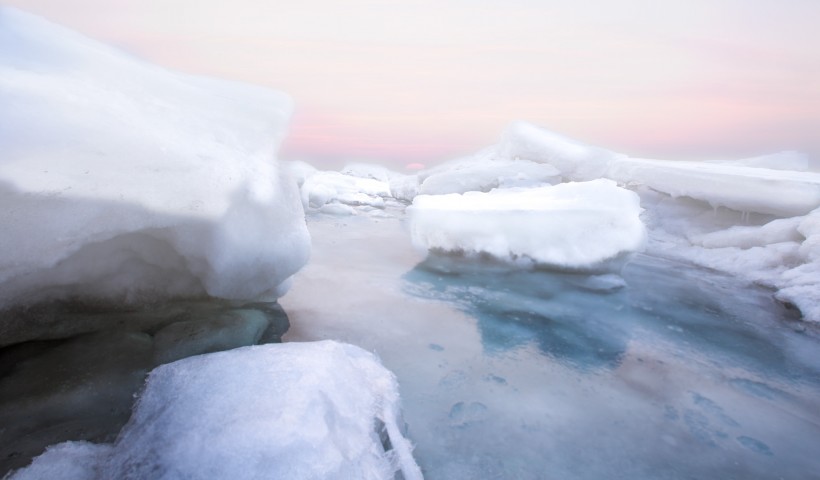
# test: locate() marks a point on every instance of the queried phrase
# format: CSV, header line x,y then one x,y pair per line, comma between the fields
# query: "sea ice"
x,y
786,160
124,181
573,159
483,175
749,217
572,225
321,410
327,187
742,188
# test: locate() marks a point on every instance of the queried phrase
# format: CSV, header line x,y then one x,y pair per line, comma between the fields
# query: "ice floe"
x,y
124,181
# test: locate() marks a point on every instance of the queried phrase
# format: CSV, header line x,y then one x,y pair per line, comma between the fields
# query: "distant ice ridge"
x,y
756,218
357,188
320,410
576,225
121,180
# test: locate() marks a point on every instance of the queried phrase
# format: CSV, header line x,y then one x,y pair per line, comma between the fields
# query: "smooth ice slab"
x,y
122,180
297,411
572,225
742,188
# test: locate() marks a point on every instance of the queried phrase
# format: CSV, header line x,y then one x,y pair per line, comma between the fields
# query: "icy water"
x,y
681,373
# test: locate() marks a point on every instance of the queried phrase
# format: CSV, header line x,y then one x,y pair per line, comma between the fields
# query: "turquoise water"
x,y
674,372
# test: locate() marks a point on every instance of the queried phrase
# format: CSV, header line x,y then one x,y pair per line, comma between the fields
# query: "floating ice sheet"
x,y
572,225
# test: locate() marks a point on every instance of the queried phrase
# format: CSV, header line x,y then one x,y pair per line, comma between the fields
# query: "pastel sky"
x,y
423,81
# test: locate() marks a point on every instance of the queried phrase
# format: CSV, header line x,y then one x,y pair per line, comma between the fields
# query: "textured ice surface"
x,y
82,387
573,159
320,410
745,189
738,216
121,180
674,372
572,225
482,172
327,188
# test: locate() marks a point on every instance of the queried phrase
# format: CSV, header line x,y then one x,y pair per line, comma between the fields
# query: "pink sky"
x,y
423,81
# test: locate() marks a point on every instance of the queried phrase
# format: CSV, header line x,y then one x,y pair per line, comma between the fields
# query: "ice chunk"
x,y
122,180
333,187
404,187
367,170
300,171
787,160
67,461
741,188
297,411
484,175
573,159
572,225
776,231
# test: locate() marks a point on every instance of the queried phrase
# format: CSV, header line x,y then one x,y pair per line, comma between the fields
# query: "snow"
x,y
786,160
121,180
755,218
367,170
296,410
484,174
573,159
327,187
558,226
745,189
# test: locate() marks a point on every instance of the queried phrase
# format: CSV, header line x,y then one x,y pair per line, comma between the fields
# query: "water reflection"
x,y
519,308
587,321
665,371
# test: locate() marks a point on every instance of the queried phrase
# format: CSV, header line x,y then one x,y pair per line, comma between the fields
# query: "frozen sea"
x,y
676,372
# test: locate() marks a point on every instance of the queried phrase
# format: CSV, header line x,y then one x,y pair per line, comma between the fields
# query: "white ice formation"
x,y
320,410
756,218
121,180
576,225
358,188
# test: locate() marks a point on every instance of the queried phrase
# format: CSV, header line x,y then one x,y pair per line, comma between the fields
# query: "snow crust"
x,y
124,181
321,410
572,225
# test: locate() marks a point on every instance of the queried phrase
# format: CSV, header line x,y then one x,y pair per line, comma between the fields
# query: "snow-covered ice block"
x,y
320,410
404,187
574,160
326,187
746,189
122,180
367,170
776,231
482,175
571,225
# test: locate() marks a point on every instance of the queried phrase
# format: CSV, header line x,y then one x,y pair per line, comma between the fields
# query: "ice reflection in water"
x,y
649,397
679,373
